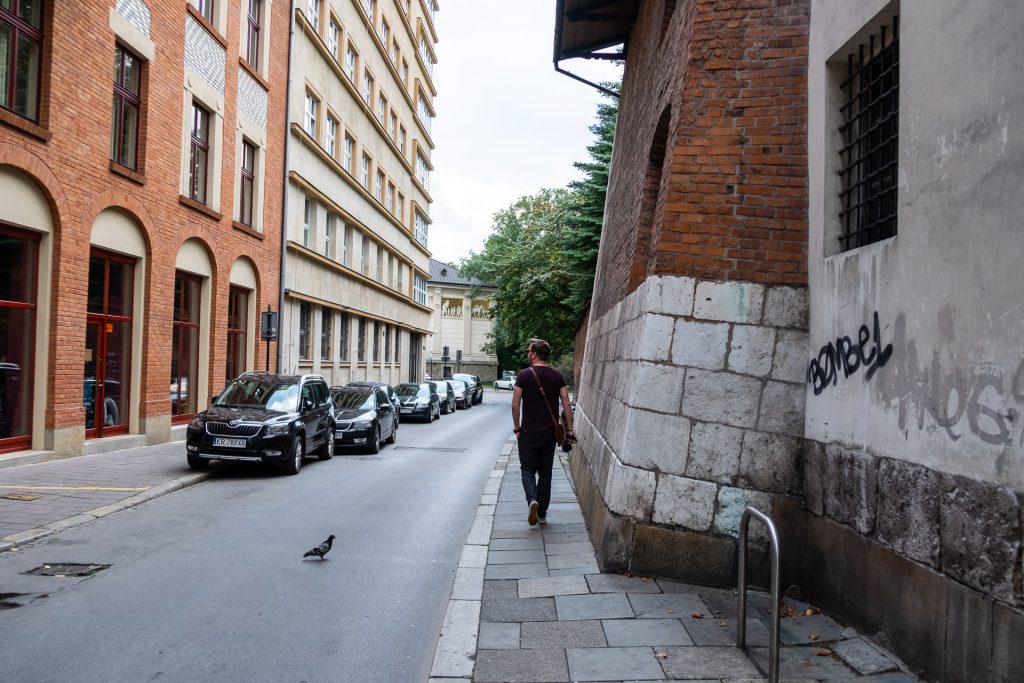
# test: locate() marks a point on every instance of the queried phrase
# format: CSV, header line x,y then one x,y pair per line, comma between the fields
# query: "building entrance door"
x,y
106,372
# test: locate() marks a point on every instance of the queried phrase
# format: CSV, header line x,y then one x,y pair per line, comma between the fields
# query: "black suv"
x,y
265,417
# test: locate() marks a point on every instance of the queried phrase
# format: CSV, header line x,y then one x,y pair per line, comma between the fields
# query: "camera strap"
x,y
545,396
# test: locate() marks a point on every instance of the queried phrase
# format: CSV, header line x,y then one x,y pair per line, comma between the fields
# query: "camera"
x,y
570,439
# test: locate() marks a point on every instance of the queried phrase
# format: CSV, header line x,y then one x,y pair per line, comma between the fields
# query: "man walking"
x,y
538,388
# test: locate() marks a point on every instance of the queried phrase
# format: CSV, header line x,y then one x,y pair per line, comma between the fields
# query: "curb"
x,y
29,535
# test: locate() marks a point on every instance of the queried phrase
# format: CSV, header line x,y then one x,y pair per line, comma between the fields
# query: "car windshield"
x,y
464,378
351,400
260,393
417,390
457,385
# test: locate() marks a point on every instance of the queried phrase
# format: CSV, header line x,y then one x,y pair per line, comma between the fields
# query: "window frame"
x,y
310,113
196,281
326,333
238,303
345,325
252,33
196,145
247,178
123,97
304,330
331,135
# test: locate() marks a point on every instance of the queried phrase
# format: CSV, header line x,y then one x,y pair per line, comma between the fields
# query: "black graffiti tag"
x,y
849,357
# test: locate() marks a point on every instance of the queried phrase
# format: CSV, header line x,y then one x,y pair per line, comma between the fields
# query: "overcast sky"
x,y
507,123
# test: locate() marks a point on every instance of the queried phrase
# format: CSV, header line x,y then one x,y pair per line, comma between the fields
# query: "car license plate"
x,y
228,443
406,410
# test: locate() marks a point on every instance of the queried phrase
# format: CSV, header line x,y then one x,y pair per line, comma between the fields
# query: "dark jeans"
x,y
536,458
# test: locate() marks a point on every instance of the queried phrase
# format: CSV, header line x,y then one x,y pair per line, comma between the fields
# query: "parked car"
x,y
507,374
419,400
264,417
446,395
507,383
476,387
463,397
388,389
364,417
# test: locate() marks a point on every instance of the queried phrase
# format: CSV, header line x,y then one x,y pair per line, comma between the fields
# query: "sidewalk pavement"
x,y
40,499
530,605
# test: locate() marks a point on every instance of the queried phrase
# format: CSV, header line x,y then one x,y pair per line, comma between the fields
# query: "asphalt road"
x,y
208,584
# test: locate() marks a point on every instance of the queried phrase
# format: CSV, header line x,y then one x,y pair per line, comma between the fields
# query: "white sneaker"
x,y
532,519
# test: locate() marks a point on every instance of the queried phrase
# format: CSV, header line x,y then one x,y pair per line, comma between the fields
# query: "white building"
x,y
461,320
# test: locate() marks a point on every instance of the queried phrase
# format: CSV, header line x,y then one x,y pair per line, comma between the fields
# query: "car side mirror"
x,y
307,404
213,399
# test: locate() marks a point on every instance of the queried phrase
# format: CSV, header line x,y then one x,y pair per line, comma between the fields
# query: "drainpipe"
x,y
284,188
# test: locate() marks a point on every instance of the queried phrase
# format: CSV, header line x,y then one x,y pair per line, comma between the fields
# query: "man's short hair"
x,y
541,348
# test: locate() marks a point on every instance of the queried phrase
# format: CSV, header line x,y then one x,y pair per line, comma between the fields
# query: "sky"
x,y
507,123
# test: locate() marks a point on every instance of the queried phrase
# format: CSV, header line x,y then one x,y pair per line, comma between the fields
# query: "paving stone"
x,y
554,585
600,606
892,677
500,532
588,568
617,583
649,632
521,666
707,662
498,636
515,557
863,657
517,544
817,628
568,548
555,537
712,632
530,609
496,584
551,634
515,571
801,662
666,605
500,594
613,663
585,562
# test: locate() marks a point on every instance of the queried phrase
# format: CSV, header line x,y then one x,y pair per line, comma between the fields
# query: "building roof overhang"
x,y
584,28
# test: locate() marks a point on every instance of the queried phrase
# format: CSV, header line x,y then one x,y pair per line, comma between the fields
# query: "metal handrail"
x,y
741,622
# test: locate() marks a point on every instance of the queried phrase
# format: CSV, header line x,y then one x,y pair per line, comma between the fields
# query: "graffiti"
x,y
979,396
849,357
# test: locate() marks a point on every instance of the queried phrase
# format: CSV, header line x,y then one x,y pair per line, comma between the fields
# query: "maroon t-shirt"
x,y
534,417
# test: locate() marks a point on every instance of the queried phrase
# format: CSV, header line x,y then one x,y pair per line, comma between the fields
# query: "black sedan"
x,y
473,383
388,389
363,418
419,400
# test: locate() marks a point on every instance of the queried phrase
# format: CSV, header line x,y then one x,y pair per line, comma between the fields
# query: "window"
x,y
422,171
367,88
361,342
382,108
19,265
185,345
394,52
333,38
405,73
364,171
205,8
344,324
304,330
331,137
307,222
346,158
329,235
309,118
199,153
313,13
870,152
398,345
326,330
378,188
385,30
108,344
245,200
424,113
351,57
371,8
400,208
401,269
419,289
124,133
346,257
238,311
364,262
401,140
379,275
252,34
421,228
389,199
393,125
391,271
21,51
376,341
387,343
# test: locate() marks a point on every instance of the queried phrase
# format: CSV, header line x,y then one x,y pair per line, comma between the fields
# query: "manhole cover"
x,y
19,496
67,569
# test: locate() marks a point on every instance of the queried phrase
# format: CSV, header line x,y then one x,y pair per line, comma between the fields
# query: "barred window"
x,y
870,130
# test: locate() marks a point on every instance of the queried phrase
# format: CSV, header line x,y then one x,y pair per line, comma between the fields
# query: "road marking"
x,y
73,488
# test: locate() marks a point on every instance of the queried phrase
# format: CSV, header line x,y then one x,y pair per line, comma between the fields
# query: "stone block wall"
x,y
690,407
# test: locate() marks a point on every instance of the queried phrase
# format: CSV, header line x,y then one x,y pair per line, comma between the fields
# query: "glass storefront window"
x,y
108,361
184,387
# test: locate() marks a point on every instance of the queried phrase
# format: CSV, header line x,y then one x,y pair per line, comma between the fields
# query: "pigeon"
x,y
321,549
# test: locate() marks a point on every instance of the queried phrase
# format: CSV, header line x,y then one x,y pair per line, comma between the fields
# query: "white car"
x,y
505,383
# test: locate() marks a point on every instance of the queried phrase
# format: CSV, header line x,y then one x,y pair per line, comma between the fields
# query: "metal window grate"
x,y
870,130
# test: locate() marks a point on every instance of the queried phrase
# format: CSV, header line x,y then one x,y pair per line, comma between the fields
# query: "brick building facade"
x,y
762,334
140,240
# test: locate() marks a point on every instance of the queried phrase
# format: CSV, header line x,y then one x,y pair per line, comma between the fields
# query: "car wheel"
x,y
375,442
394,433
327,450
197,463
297,453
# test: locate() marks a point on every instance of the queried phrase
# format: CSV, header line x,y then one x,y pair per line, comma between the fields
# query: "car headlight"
x,y
422,401
362,424
196,423
277,429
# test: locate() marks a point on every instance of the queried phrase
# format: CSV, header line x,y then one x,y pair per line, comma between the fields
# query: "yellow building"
x,y
460,320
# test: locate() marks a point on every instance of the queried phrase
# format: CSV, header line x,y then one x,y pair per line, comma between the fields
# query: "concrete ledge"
x,y
113,443
31,458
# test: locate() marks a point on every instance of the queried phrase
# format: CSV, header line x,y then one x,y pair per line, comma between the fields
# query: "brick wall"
x,y
72,168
